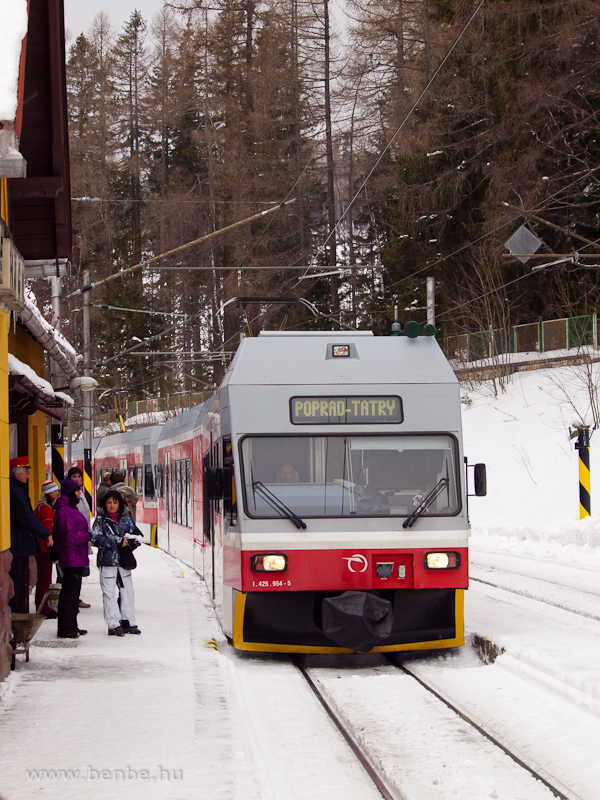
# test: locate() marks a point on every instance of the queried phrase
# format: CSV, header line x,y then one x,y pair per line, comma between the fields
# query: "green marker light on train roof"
x,y
412,329
429,329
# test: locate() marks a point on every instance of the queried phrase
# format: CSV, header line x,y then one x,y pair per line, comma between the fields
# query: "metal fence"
x,y
172,402
535,337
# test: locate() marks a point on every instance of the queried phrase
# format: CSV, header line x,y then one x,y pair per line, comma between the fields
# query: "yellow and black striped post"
x,y
583,446
58,453
87,475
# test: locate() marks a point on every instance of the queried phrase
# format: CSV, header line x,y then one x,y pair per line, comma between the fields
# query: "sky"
x,y
79,15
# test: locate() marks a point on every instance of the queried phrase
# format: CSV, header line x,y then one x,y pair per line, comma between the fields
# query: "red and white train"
x,y
321,493
133,453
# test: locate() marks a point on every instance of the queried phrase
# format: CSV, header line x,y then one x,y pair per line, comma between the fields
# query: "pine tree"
x,y
505,112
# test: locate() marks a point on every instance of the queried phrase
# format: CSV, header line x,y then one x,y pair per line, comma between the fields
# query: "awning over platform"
x,y
28,392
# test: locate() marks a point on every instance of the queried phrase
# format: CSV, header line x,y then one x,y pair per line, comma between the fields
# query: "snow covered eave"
x,y
12,163
51,340
28,392
15,21
12,38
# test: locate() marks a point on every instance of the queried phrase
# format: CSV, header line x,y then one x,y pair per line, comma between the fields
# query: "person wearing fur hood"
x,y
130,496
112,532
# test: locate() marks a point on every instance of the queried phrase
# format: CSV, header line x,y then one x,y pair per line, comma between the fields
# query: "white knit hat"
x,y
49,486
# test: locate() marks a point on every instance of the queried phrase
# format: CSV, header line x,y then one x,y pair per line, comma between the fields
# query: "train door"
x,y
168,497
208,521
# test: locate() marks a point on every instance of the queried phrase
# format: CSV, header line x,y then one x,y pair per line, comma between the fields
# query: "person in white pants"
x,y
114,616
112,532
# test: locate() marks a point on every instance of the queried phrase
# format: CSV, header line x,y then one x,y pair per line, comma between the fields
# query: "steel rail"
x,y
529,596
523,764
356,749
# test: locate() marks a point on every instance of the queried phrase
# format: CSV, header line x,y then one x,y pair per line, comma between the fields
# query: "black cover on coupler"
x,y
357,620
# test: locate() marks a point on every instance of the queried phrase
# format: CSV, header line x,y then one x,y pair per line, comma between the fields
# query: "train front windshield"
x,y
341,476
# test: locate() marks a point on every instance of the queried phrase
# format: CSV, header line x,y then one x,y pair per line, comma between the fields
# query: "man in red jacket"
x,y
45,513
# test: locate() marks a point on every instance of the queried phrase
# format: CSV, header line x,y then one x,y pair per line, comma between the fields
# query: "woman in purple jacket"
x,y
71,537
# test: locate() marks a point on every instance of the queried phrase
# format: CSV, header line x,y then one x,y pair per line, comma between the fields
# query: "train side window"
x,y
173,491
180,490
135,479
159,480
229,495
206,503
188,492
181,495
149,492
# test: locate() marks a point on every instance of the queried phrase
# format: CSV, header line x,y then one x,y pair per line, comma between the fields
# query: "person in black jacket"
x,y
112,533
102,489
25,530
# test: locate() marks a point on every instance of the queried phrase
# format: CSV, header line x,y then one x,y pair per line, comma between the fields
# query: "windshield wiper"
x,y
277,504
426,502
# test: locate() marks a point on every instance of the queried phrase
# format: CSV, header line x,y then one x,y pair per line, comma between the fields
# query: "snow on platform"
x,y
139,716
165,714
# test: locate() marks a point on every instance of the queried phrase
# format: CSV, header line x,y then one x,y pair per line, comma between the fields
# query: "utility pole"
x,y
431,301
87,397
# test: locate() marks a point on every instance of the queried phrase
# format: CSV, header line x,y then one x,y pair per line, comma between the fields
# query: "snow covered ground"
x,y
164,714
522,434
167,715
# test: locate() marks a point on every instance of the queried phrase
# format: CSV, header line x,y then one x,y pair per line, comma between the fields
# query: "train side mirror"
x,y
480,479
213,477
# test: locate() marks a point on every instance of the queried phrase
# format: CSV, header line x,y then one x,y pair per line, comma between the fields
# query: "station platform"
x,y
139,716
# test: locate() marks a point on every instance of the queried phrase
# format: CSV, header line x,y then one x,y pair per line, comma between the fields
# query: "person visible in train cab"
x,y
76,474
44,512
25,530
103,488
287,474
112,533
71,534
130,496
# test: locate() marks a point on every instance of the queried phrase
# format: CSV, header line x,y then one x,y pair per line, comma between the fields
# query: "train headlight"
x,y
269,562
442,560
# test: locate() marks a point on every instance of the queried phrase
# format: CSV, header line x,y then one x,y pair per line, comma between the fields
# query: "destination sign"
x,y
354,410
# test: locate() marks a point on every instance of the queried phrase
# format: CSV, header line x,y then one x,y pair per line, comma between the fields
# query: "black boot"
x,y
128,628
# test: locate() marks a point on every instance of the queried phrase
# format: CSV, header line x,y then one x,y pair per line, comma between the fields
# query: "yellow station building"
x,y
35,240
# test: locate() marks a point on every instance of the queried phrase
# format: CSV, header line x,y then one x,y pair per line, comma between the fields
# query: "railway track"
x,y
364,759
556,791
387,784
577,602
